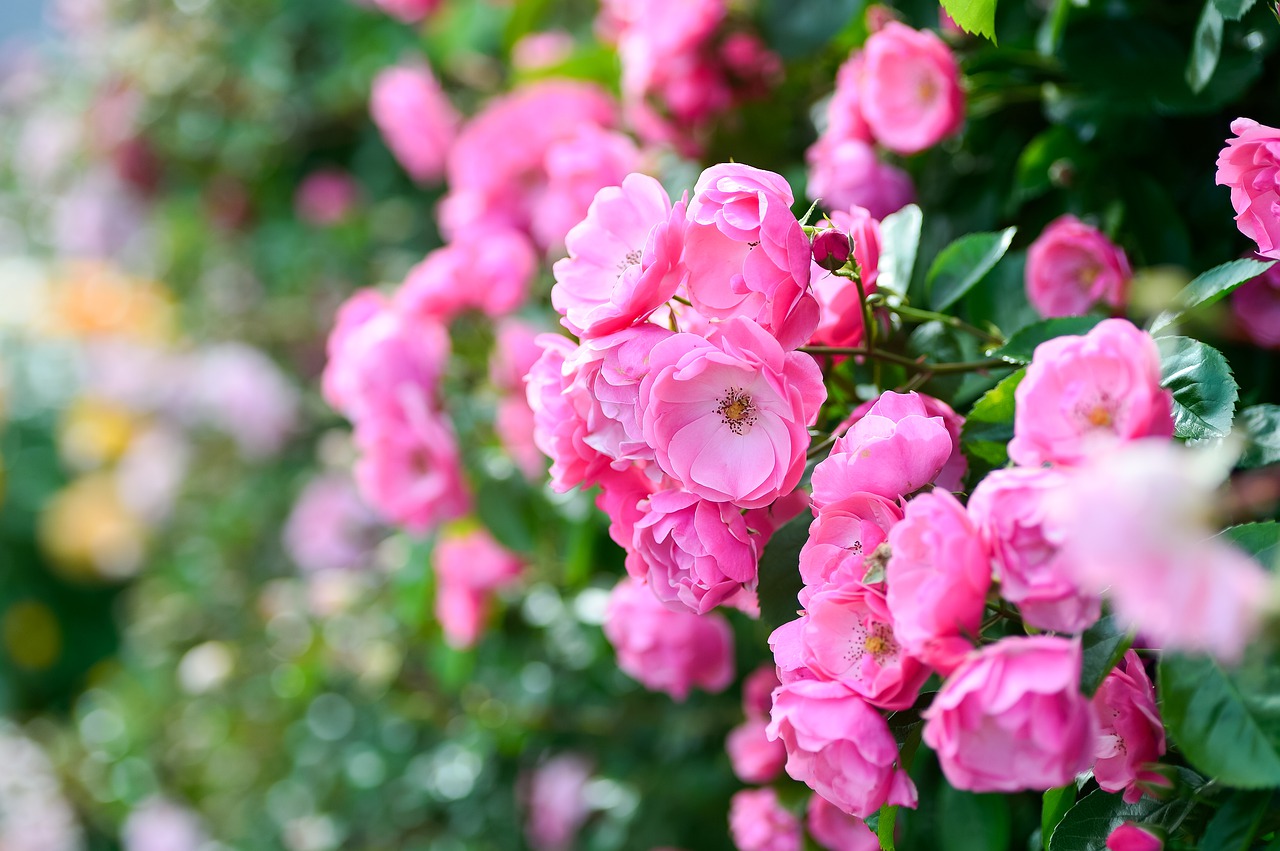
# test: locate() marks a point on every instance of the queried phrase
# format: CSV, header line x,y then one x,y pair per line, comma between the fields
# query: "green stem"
x,y
917,365
956,322
889,813
868,320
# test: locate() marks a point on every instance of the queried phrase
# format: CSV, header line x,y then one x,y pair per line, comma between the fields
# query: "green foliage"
x,y
973,822
899,243
1204,390
1087,825
1022,345
795,30
1234,826
1057,803
989,426
1210,287
975,16
1206,48
1104,646
780,573
1260,425
964,263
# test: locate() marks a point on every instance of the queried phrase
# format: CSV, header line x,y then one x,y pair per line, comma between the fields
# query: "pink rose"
x,y
754,756
409,11
757,691
728,416
758,822
514,424
1011,509
624,259
515,351
560,425
330,528
847,636
787,645
1250,165
1071,267
736,198
1082,394
488,270
541,50
576,168
846,173
844,110
1256,306
555,805
666,650
937,575
840,747
1012,718
841,537
415,118
469,567
621,492
1131,735
910,89
896,448
326,197
1133,837
838,831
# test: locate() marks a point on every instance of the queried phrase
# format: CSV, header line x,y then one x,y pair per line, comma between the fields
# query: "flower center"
x,y
1100,417
633,258
737,410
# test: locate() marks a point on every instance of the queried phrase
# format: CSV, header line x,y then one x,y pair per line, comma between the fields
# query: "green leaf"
x,y
899,242
974,16
1235,825
1087,825
963,263
1205,48
1023,344
1105,644
1056,804
799,29
969,822
1260,540
1204,390
505,507
1261,427
989,427
1227,724
1210,287
1034,172
780,573
1233,10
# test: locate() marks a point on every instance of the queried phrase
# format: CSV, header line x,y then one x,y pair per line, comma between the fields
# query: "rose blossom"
x,y
1081,394
560,426
838,831
624,258
909,88
576,168
1131,734
846,173
758,822
896,448
1010,507
841,322
330,528
409,11
1250,165
488,270
754,756
841,537
728,416
666,650
416,119
555,806
326,197
757,691
840,747
1133,837
844,110
621,492
937,575
1256,305
469,567
1071,267
1012,717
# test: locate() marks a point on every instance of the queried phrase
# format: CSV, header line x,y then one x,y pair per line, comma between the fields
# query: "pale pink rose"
x,y
577,167
653,34
838,831
1250,165
1012,717
158,824
1134,524
728,416
1072,266
554,801
330,527
1011,508
514,424
1256,306
844,110
409,470
736,199
894,449
848,637
488,270
624,259
607,372
757,691
238,390
409,11
1133,837
415,118
841,537
515,351
951,476
846,173
666,650
759,822
1083,394
469,567
938,574
787,645
560,425
693,554
326,197
541,50
377,356
1131,735
909,88
754,756
621,493
839,747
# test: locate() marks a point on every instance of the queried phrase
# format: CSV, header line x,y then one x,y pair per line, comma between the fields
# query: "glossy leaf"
x,y
974,16
972,822
1210,287
1054,808
1260,425
1260,540
899,242
962,264
1204,390
780,573
1023,344
989,426
1233,10
1087,825
1105,644
1234,826
1206,47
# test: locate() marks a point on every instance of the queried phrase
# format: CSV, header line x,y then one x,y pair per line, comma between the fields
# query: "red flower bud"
x,y
832,249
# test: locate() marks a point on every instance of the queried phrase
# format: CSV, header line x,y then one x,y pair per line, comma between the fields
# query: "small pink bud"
x,y
832,249
1131,837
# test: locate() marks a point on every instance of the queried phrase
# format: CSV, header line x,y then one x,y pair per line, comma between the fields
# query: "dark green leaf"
x,y
1261,427
1023,344
1233,10
970,822
1209,287
798,29
1227,724
504,506
1205,48
1234,826
1204,390
899,241
963,263
1087,825
1105,644
1034,173
989,427
1260,540
974,16
1056,804
780,573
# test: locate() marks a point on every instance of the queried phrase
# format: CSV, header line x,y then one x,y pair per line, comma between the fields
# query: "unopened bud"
x,y
832,249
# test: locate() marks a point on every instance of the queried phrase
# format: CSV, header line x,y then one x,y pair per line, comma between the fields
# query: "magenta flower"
x,y
754,756
1256,306
326,197
469,568
1133,837
576,168
560,425
909,88
1131,735
846,173
842,536
1250,165
836,830
487,270
758,822
416,119
728,416
1071,267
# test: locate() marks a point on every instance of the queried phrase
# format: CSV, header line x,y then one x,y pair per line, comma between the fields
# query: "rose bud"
x,y
832,249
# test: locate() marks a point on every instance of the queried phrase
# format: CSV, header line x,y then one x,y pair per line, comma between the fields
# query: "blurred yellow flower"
x,y
95,432
88,532
90,299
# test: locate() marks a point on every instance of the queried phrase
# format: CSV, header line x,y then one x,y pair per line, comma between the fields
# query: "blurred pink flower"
x,y
541,50
416,119
330,527
846,173
838,831
1132,734
554,803
1071,267
409,11
489,270
1256,305
754,757
759,822
469,567
577,167
326,197
241,392
158,824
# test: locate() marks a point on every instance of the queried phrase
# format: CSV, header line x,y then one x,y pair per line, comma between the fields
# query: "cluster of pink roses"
x,y
901,90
